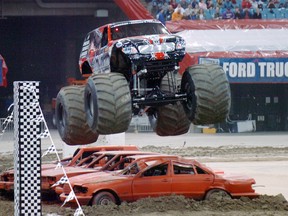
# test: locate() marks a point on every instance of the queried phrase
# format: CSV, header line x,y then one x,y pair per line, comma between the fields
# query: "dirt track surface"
x,y
261,156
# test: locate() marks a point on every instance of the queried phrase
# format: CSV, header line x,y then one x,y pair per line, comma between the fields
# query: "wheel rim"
x,y
105,201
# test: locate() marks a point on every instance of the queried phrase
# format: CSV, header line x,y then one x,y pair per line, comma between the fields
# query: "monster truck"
x,y
131,68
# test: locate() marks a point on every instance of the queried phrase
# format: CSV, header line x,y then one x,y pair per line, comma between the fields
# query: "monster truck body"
x,y
133,68
140,50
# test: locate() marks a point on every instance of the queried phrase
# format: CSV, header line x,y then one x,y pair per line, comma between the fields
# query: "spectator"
x,y
260,4
228,14
165,7
217,15
177,15
181,9
257,14
246,4
155,7
202,5
246,14
201,15
237,13
169,12
173,3
286,4
220,3
184,4
210,4
271,4
161,17
254,4
194,15
227,5
196,10
188,12
194,3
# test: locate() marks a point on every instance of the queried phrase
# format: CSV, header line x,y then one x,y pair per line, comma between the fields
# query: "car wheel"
x,y
170,119
103,198
108,103
208,94
70,117
217,194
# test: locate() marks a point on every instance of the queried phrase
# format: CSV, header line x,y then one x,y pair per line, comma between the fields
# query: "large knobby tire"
x,y
103,198
208,94
171,119
108,103
70,117
217,194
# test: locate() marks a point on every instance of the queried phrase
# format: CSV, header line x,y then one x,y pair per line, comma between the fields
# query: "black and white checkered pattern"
x,y
27,162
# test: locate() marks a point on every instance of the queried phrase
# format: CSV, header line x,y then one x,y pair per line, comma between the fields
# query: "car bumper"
x,y
6,186
83,200
250,195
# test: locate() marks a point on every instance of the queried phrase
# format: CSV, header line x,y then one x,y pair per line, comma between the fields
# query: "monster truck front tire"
x,y
171,119
108,103
208,94
71,118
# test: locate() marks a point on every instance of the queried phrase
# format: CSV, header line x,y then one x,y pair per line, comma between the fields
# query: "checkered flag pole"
x,y
27,151
52,149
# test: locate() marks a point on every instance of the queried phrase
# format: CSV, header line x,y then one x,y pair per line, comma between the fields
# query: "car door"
x,y
152,182
190,180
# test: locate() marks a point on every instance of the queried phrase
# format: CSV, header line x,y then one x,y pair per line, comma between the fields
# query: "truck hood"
x,y
148,44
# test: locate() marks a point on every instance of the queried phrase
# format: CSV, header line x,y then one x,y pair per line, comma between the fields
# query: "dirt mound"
x,y
174,205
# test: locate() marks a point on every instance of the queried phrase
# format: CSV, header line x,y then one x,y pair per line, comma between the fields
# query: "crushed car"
x,y
154,176
99,161
7,177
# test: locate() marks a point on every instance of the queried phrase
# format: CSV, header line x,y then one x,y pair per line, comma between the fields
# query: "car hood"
x,y
93,178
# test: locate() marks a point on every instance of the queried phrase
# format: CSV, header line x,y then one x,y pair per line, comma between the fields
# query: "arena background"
x,y
41,40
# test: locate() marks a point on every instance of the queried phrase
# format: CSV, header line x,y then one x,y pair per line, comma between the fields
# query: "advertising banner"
x,y
252,70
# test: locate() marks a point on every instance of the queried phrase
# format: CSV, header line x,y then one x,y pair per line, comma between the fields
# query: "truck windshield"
x,y
137,29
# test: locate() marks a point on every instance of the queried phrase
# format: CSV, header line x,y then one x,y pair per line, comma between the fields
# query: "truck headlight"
x,y
180,45
129,50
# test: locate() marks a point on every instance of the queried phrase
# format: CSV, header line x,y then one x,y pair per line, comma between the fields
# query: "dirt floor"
x,y
266,205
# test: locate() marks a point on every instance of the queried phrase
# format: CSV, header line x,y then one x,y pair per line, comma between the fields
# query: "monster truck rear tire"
x,y
171,119
71,118
108,103
208,94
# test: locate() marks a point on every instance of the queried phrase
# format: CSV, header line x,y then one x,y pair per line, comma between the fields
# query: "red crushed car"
x,y
99,161
7,177
157,175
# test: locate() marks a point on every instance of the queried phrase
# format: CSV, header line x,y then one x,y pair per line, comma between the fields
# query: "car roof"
x,y
106,147
156,156
124,152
